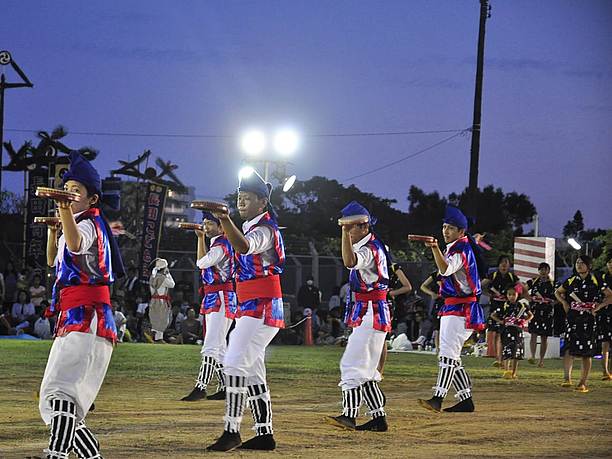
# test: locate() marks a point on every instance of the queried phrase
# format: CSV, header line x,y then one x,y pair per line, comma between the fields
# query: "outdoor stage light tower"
x,y
254,144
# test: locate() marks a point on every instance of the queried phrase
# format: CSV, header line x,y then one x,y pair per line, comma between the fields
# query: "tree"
x,y
574,226
11,203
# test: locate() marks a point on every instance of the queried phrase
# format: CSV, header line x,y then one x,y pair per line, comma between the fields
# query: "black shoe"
x,y
433,404
378,424
196,394
226,442
92,407
219,395
341,421
261,442
464,406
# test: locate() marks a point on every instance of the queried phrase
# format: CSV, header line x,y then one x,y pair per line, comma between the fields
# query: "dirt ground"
x,y
138,414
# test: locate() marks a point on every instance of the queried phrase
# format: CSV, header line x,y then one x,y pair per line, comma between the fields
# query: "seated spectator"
x,y
23,281
22,312
42,328
38,292
120,320
191,330
6,329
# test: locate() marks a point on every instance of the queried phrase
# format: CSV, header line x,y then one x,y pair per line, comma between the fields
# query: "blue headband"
x,y
208,216
83,172
255,184
454,216
354,208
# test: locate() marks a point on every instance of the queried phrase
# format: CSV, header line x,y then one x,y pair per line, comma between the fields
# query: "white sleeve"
x,y
455,263
260,240
88,233
364,257
168,281
214,256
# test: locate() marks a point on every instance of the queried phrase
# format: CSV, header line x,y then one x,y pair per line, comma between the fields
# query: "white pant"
x,y
247,349
452,336
359,362
75,370
217,326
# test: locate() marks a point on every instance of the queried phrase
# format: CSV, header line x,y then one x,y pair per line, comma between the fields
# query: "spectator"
x,y
22,311
191,329
2,289
42,328
38,292
120,320
23,280
334,300
10,282
141,312
131,284
5,326
344,292
309,295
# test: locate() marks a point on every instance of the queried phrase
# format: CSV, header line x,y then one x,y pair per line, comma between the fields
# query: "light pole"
x,y
285,142
6,59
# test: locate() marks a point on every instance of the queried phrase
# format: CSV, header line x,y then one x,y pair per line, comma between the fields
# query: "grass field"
x,y
138,414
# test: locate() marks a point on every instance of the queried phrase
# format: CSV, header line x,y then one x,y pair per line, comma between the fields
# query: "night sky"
x,y
330,67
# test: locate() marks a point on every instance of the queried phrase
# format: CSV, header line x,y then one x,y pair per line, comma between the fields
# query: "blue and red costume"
x,y
258,284
215,281
461,292
83,291
376,291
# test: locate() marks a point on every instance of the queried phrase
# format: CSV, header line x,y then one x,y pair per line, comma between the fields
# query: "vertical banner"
x,y
152,224
36,234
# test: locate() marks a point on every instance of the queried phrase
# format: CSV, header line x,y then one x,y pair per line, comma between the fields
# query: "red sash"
x,y
84,295
456,300
374,295
161,297
261,287
227,287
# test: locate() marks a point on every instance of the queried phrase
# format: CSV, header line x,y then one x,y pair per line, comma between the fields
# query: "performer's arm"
x,y
496,318
406,285
606,301
529,315
51,245
233,234
213,257
69,226
201,243
441,263
560,295
425,288
348,255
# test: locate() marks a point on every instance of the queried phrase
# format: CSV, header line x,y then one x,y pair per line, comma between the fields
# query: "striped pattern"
x,y
462,384
234,402
529,252
85,443
261,408
446,374
374,398
220,376
63,424
351,401
207,368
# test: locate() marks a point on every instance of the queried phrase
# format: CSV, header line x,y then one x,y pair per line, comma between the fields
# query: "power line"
x,y
223,136
412,155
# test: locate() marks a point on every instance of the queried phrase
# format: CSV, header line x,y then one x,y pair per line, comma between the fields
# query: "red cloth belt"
x,y
261,287
83,295
460,300
161,297
227,287
374,295
582,306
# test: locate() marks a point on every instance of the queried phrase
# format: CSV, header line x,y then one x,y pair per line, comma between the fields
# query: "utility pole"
x,y
6,59
485,13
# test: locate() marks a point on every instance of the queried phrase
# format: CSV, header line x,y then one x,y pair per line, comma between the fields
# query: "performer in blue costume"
x,y
87,261
461,313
